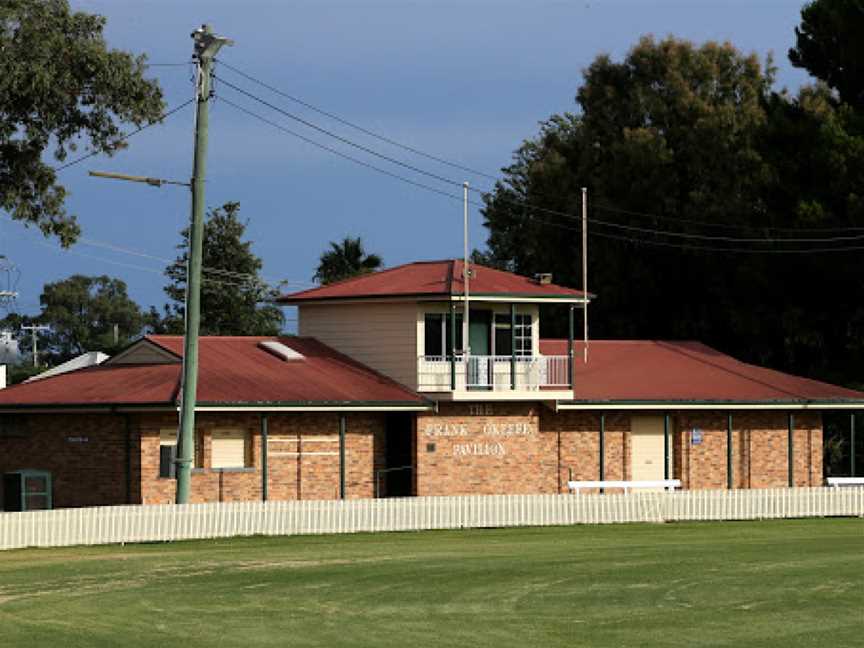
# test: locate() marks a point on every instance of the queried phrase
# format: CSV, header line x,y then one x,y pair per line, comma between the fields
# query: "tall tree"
x,y
345,259
60,85
234,298
87,314
829,46
692,139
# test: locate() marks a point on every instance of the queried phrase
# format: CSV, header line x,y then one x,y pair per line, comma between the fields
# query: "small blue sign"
x,y
695,436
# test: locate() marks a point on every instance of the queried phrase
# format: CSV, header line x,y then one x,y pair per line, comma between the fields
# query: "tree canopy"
x,y
60,87
234,298
345,259
692,160
829,46
87,314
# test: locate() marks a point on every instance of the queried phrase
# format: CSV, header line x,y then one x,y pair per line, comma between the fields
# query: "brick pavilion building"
x,y
380,396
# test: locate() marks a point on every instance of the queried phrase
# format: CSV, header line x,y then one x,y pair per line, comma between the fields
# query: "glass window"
x,y
437,334
167,453
523,335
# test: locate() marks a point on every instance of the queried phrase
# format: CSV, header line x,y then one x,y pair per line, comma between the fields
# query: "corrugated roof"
x,y
647,370
232,370
431,278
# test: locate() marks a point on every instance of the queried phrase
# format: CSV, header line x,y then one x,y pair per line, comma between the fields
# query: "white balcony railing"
x,y
496,373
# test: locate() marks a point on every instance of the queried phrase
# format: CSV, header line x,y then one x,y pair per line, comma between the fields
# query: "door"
x,y
479,363
646,448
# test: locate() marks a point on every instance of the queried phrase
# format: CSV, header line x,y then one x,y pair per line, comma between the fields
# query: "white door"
x,y
646,448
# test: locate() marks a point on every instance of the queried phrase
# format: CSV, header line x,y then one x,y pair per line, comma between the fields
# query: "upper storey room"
x,y
411,323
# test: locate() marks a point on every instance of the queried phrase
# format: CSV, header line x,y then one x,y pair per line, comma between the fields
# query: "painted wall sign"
x,y
479,450
695,436
78,439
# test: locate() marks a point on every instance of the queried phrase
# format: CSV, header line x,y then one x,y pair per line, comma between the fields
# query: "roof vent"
x,y
280,350
543,278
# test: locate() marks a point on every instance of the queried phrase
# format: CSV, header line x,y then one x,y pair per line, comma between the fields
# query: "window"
x,y
229,449
523,335
167,453
437,334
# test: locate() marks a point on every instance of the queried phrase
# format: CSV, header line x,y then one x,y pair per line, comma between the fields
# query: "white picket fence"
x,y
120,524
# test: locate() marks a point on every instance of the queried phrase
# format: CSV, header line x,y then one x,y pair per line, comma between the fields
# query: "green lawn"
x,y
790,583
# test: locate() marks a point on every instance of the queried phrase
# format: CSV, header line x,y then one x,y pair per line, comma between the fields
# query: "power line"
x,y
363,130
123,138
336,151
596,234
617,210
344,140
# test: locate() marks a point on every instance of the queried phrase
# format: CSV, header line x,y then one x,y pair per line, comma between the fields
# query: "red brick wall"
x,y
303,457
759,450
485,449
85,454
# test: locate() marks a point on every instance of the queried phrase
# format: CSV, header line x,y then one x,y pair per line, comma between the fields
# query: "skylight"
x,y
280,350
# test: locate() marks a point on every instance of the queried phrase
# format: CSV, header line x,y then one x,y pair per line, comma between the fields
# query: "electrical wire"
x,y
363,130
592,233
126,136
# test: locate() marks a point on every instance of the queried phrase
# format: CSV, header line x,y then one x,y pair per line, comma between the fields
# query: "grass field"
x,y
789,583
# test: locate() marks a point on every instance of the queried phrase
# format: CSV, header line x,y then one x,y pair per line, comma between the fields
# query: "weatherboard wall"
x,y
382,336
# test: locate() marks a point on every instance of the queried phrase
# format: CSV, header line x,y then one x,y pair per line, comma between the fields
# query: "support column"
x,y
512,346
602,447
343,427
729,471
265,472
570,348
665,447
852,444
791,450
453,345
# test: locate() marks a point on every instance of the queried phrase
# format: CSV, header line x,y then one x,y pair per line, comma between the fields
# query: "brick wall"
x,y
303,457
464,448
485,449
85,454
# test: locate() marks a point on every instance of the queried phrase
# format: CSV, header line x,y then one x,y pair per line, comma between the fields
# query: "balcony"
x,y
493,373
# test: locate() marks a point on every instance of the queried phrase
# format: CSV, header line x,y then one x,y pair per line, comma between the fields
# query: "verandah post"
x,y
570,347
453,345
513,346
665,446
343,426
264,468
852,444
602,446
729,475
790,449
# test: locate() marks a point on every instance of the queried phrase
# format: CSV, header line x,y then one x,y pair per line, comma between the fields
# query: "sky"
x,y
466,81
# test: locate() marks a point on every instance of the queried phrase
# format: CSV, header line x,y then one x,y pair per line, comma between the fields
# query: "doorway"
x,y
396,477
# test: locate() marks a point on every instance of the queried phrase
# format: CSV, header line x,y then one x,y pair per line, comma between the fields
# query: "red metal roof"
x,y
646,370
433,278
232,370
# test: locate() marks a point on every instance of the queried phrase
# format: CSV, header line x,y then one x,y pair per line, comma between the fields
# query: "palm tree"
x,y
344,260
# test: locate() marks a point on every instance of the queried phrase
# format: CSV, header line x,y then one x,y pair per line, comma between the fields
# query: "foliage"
x,y
829,46
60,85
344,260
86,314
232,291
692,139
783,583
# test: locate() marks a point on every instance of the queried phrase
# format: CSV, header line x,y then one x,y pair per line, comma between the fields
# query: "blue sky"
x,y
467,81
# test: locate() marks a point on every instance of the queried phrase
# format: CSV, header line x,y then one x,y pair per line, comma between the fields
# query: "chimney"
x,y
543,278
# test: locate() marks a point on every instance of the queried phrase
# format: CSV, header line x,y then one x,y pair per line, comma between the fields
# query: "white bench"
x,y
667,484
837,482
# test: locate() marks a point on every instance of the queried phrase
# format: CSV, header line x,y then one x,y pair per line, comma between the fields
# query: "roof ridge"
x,y
735,373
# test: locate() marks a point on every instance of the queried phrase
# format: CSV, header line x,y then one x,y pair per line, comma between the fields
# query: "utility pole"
x,y
207,44
34,330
